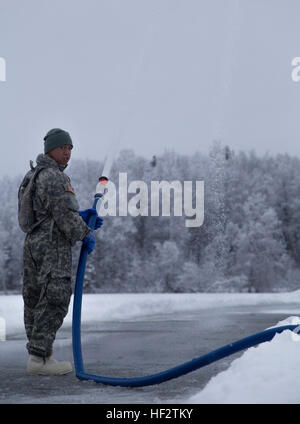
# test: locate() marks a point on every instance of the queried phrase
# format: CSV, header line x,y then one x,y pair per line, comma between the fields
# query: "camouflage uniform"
x,y
48,256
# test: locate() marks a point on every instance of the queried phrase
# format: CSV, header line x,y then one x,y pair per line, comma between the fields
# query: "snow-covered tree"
x,y
261,251
250,238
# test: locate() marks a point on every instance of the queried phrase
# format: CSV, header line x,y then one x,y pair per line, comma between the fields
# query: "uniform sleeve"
x,y
64,206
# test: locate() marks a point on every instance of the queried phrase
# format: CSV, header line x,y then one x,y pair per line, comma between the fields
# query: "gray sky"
x,y
158,74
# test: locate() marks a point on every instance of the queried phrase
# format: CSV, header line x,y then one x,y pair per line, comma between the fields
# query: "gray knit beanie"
x,y
56,138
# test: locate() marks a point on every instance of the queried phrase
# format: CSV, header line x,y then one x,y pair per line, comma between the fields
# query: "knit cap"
x,y
56,138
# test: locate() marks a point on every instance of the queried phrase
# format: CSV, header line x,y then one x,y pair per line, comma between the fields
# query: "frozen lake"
x,y
136,346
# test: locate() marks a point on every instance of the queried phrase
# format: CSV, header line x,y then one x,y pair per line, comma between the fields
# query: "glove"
x,y
89,242
87,213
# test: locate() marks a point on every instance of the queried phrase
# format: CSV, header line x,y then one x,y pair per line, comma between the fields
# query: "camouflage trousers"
x,y
46,289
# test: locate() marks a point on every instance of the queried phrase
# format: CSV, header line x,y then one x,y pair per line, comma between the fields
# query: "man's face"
x,y
61,154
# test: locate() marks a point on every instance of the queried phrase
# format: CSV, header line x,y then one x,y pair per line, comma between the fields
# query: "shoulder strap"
x,y
36,170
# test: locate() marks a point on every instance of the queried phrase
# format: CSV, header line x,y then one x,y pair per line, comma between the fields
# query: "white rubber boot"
x,y
37,365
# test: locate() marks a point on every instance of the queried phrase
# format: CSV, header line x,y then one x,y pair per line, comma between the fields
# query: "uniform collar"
x,y
45,160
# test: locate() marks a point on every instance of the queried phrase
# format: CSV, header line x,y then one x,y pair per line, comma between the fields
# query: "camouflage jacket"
x,y
55,202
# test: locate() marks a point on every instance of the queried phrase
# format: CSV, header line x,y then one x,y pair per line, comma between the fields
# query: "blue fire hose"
x,y
163,376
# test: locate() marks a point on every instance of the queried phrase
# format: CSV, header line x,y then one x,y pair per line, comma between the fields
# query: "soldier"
x,y
47,253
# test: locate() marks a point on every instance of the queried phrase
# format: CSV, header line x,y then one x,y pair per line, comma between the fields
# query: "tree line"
x,y
249,240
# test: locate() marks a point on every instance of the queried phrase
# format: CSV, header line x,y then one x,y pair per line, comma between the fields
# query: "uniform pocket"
x,y
62,257
59,291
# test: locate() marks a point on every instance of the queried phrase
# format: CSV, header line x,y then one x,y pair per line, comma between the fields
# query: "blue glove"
x,y
89,242
85,215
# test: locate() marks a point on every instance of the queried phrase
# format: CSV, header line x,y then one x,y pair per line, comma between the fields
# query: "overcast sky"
x,y
157,74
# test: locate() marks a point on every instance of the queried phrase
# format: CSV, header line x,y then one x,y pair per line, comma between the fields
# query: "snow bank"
x,y
268,373
112,307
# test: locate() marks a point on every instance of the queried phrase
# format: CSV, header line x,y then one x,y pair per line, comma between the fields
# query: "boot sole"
x,y
40,372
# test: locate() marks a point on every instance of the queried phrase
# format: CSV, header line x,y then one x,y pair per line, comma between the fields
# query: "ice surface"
x,y
267,373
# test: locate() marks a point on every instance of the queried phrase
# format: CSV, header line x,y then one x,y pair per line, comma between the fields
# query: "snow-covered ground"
x,y
268,373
